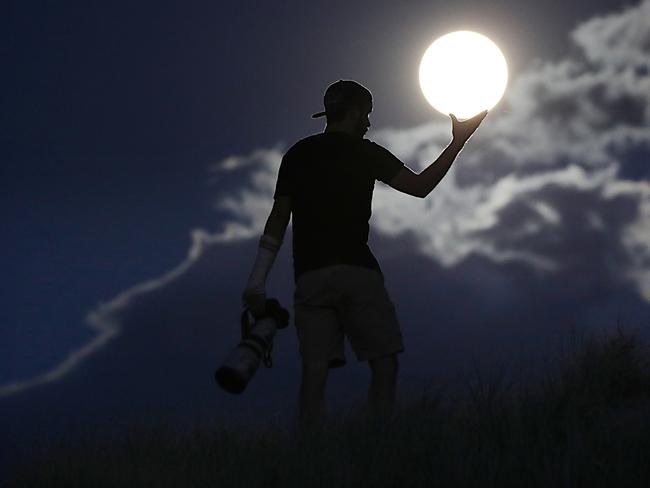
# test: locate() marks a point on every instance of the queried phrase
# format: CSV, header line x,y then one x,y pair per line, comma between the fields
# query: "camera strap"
x,y
273,310
246,327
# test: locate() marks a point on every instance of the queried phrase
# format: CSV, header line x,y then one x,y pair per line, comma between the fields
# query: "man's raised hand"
x,y
462,131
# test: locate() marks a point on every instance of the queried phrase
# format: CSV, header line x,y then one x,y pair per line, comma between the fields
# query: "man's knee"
x,y
384,365
314,374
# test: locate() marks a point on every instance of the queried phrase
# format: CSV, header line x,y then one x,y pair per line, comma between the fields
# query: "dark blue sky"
x,y
114,112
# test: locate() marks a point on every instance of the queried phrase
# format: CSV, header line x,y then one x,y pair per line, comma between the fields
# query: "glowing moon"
x,y
463,73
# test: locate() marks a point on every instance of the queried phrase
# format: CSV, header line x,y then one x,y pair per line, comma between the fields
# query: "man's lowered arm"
x,y
254,296
276,224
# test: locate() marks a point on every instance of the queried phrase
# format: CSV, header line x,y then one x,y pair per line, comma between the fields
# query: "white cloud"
x,y
104,319
618,41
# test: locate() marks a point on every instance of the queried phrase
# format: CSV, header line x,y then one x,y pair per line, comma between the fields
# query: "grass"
x,y
586,423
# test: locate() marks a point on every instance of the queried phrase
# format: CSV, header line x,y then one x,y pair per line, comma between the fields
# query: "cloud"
x,y
105,318
618,41
537,185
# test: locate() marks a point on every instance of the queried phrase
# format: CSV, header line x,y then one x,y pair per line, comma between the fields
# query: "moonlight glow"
x,y
463,73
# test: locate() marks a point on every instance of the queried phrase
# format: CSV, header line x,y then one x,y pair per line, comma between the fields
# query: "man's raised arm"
x,y
420,185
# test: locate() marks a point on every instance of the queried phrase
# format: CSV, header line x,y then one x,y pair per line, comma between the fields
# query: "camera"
x,y
255,346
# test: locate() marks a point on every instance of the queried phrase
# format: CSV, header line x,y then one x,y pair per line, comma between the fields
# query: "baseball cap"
x,y
344,93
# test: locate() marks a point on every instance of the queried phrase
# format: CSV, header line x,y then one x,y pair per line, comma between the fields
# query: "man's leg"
x,y
383,385
312,394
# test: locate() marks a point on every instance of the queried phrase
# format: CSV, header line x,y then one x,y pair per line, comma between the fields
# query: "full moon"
x,y
463,73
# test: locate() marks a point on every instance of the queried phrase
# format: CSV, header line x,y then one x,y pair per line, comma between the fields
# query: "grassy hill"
x,y
585,424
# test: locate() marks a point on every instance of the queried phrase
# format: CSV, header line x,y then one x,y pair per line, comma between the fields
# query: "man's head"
x,y
347,105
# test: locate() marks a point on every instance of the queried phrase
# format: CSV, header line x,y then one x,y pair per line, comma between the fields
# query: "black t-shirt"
x,y
330,178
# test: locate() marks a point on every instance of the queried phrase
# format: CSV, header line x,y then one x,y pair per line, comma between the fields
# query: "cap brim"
x,y
319,114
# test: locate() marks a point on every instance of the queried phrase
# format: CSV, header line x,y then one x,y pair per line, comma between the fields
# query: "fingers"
x,y
478,116
254,301
477,119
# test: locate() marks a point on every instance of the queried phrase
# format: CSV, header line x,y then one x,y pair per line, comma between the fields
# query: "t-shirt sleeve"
x,y
383,164
284,184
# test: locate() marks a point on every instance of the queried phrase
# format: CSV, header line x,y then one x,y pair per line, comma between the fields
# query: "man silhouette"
x,y
325,183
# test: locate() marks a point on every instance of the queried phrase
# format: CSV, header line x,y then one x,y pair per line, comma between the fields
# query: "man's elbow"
x,y
413,184
424,192
279,218
416,191
276,226
275,229
421,190
425,187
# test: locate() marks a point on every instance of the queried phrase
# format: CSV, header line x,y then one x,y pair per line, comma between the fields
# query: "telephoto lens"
x,y
255,346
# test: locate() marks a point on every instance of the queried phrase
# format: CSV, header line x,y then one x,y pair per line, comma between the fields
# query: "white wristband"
x,y
266,253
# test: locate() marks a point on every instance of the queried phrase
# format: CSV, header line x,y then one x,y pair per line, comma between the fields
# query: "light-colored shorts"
x,y
345,300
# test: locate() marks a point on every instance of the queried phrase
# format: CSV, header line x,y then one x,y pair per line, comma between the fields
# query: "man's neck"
x,y
337,128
